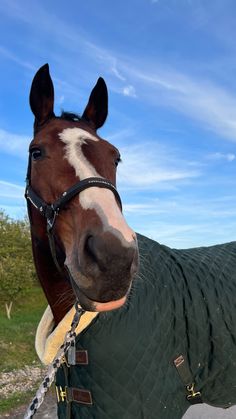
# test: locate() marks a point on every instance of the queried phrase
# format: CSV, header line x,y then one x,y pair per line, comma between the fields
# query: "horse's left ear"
x,y
42,96
97,108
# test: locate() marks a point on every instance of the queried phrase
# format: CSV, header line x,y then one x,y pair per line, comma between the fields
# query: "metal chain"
x,y
53,367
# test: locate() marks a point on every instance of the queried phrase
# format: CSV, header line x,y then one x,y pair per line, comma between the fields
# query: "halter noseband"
x,y
50,211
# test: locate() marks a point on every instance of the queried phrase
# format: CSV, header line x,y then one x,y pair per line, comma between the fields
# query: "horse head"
x,y
94,248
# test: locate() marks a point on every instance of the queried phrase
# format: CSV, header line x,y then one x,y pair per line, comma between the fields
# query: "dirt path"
x,y
20,380
48,411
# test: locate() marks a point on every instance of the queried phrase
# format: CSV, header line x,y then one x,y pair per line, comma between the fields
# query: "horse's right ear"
x,y
42,96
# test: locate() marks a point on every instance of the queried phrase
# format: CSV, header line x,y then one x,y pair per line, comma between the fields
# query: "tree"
x,y
16,264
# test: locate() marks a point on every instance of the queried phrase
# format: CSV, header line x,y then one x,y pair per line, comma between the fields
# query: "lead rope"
x,y
53,367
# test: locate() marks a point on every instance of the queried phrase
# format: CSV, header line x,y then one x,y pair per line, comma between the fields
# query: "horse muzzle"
x,y
103,271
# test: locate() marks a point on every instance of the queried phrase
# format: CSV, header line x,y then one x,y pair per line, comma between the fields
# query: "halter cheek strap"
x,y
50,211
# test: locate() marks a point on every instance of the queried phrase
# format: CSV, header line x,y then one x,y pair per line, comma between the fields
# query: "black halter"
x,y
50,211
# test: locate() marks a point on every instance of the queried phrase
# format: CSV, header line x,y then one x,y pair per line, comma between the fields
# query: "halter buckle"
x,y
51,215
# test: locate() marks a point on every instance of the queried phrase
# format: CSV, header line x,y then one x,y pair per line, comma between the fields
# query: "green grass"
x,y
16,400
17,334
17,340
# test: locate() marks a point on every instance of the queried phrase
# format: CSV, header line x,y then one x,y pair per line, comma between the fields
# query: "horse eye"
x,y
36,153
117,161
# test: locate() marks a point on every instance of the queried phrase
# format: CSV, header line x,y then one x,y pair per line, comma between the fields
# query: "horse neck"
x,y
55,284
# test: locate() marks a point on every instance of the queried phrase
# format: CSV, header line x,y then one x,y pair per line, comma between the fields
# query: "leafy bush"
x,y
16,264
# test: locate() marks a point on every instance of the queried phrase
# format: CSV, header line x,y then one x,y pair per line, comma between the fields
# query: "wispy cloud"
x,y
106,62
14,144
13,57
121,136
184,219
151,165
166,189
221,156
129,91
151,206
11,190
12,199
116,72
200,99
186,234
184,206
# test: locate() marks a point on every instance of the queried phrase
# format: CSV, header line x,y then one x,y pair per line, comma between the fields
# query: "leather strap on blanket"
x,y
182,366
70,394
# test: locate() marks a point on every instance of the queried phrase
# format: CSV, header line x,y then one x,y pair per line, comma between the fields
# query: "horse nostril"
x,y
89,248
92,250
106,251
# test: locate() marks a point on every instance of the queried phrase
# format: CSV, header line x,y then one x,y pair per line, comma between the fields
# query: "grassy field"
x,y
17,334
17,339
16,400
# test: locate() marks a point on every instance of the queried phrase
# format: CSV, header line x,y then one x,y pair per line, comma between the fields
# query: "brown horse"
x,y
83,249
174,344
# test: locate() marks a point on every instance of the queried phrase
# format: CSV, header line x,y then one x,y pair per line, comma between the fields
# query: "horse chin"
x,y
111,305
91,305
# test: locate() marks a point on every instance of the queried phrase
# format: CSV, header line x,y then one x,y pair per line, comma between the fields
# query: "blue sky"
x,y
170,67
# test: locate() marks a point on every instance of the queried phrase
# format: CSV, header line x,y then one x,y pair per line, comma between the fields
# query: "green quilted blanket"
x,y
183,302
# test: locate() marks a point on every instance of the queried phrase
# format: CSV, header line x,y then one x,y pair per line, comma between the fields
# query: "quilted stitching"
x,y
183,301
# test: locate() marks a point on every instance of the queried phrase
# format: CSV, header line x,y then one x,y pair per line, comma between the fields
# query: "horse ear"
x,y
97,108
42,96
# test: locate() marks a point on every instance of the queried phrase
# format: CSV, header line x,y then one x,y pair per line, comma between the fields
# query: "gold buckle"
x,y
192,394
64,361
61,394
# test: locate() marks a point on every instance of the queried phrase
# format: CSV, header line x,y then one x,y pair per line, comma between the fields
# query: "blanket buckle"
x,y
193,397
64,361
61,394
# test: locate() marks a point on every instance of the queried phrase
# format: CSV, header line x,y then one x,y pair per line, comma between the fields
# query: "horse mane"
x,y
70,116
67,116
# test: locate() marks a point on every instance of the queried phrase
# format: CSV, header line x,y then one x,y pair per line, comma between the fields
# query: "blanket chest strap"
x,y
182,366
70,394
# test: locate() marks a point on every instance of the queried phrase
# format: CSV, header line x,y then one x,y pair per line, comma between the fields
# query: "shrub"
x,y
16,265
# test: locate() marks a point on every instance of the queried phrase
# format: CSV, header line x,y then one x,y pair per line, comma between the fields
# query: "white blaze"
x,y
101,200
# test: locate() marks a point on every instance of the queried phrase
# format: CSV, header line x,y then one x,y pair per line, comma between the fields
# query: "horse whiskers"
x,y
66,299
